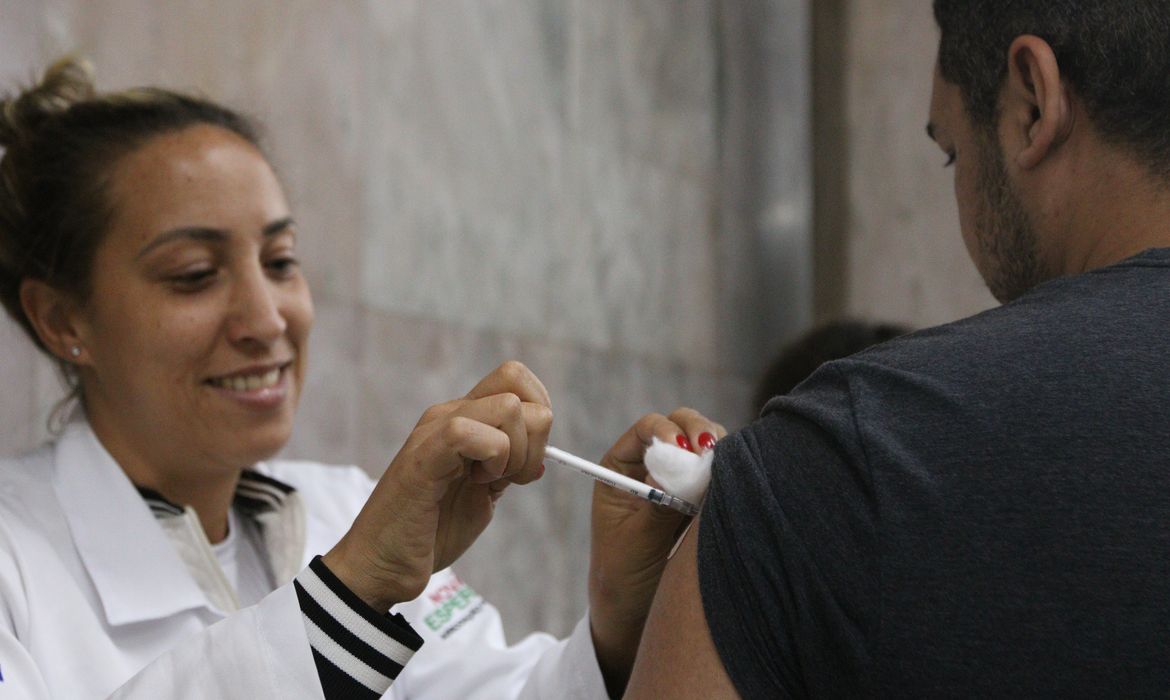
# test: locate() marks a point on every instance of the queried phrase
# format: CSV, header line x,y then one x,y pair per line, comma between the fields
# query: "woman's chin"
x,y
246,448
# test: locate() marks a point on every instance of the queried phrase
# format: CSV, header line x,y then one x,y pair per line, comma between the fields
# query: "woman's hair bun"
x,y
68,81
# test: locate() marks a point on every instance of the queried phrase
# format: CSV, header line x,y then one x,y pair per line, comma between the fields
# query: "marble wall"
x,y
887,232
599,188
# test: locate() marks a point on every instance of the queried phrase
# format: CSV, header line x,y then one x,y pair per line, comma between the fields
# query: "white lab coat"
x,y
95,600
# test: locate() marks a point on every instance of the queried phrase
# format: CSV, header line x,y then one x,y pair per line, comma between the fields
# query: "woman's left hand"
x,y
632,538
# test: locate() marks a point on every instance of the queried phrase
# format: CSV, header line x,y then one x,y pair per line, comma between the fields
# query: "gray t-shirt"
x,y
978,509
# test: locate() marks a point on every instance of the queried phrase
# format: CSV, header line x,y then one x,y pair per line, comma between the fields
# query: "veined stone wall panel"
x,y
473,181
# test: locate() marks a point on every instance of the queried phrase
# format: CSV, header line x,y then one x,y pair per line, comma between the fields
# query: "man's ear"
x,y
54,316
1036,104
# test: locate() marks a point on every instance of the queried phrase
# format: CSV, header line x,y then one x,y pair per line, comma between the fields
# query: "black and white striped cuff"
x,y
358,652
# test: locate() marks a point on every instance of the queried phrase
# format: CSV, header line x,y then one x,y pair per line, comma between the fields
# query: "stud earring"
x,y
75,351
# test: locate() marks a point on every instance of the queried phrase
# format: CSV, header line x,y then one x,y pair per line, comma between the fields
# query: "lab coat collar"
x,y
274,505
256,494
134,567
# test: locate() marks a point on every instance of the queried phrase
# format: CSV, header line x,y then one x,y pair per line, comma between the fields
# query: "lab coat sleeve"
x,y
466,655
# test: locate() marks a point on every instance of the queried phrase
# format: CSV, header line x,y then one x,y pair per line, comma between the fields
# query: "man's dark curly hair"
x,y
1114,54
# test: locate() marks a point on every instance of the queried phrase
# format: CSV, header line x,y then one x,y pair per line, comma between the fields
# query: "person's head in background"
x,y
831,341
1053,113
146,246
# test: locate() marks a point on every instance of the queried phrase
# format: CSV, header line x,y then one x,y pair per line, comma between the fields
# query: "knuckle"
x,y
523,478
438,411
512,370
540,416
650,420
510,403
456,429
503,458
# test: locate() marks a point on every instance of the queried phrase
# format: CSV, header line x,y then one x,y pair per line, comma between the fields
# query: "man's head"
x,y
1114,54
1028,96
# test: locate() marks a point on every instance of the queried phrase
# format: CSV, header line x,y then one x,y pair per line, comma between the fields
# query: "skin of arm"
x,y
631,539
677,658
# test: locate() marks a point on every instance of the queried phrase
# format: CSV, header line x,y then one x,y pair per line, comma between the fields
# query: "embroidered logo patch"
x,y
455,603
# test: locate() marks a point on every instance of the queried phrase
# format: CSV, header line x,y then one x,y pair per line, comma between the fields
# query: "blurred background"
x,y
640,199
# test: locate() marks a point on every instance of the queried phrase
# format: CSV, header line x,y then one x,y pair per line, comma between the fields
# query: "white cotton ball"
x,y
680,472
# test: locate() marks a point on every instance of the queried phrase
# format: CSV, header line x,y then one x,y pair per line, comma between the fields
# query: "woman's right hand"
x,y
438,494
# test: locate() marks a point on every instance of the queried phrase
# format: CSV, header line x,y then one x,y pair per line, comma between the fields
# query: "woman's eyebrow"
x,y
196,233
278,226
215,235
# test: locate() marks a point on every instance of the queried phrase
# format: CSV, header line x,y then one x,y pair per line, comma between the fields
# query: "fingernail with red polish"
x,y
707,441
684,443
541,472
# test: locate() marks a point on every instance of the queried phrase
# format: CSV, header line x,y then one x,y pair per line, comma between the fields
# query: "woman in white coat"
x,y
152,550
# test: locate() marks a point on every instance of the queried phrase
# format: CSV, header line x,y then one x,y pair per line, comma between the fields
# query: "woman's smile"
x,y
263,387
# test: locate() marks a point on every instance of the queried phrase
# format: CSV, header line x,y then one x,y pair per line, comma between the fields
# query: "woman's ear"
x,y
54,316
1036,104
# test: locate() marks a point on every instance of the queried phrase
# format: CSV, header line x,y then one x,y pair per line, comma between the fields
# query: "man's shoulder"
x,y
1015,364
946,358
989,333
1060,318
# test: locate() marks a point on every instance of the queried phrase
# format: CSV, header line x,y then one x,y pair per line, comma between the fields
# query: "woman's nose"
x,y
256,316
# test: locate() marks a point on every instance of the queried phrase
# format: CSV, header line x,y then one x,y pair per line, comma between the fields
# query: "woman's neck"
x,y
211,499
207,488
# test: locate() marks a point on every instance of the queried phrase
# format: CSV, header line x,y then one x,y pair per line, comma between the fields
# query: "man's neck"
x,y
1116,210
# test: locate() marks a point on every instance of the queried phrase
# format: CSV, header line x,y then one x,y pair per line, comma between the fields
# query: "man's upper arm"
x,y
677,658
789,563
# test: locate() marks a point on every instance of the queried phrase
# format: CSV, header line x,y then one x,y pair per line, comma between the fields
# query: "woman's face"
x,y
197,327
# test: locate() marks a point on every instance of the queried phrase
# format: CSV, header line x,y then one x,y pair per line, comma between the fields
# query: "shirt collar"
x,y
134,567
256,495
273,505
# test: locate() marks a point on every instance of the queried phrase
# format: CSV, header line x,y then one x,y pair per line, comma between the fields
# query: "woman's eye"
x,y
283,266
194,279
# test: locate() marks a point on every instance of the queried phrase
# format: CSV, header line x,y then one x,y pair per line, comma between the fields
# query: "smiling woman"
x,y
147,246
186,322
216,312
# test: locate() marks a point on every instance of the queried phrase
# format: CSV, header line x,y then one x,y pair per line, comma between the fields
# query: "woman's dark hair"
x,y
1115,55
61,139
803,356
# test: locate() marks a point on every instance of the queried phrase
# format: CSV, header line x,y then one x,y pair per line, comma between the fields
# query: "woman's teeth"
x,y
250,382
